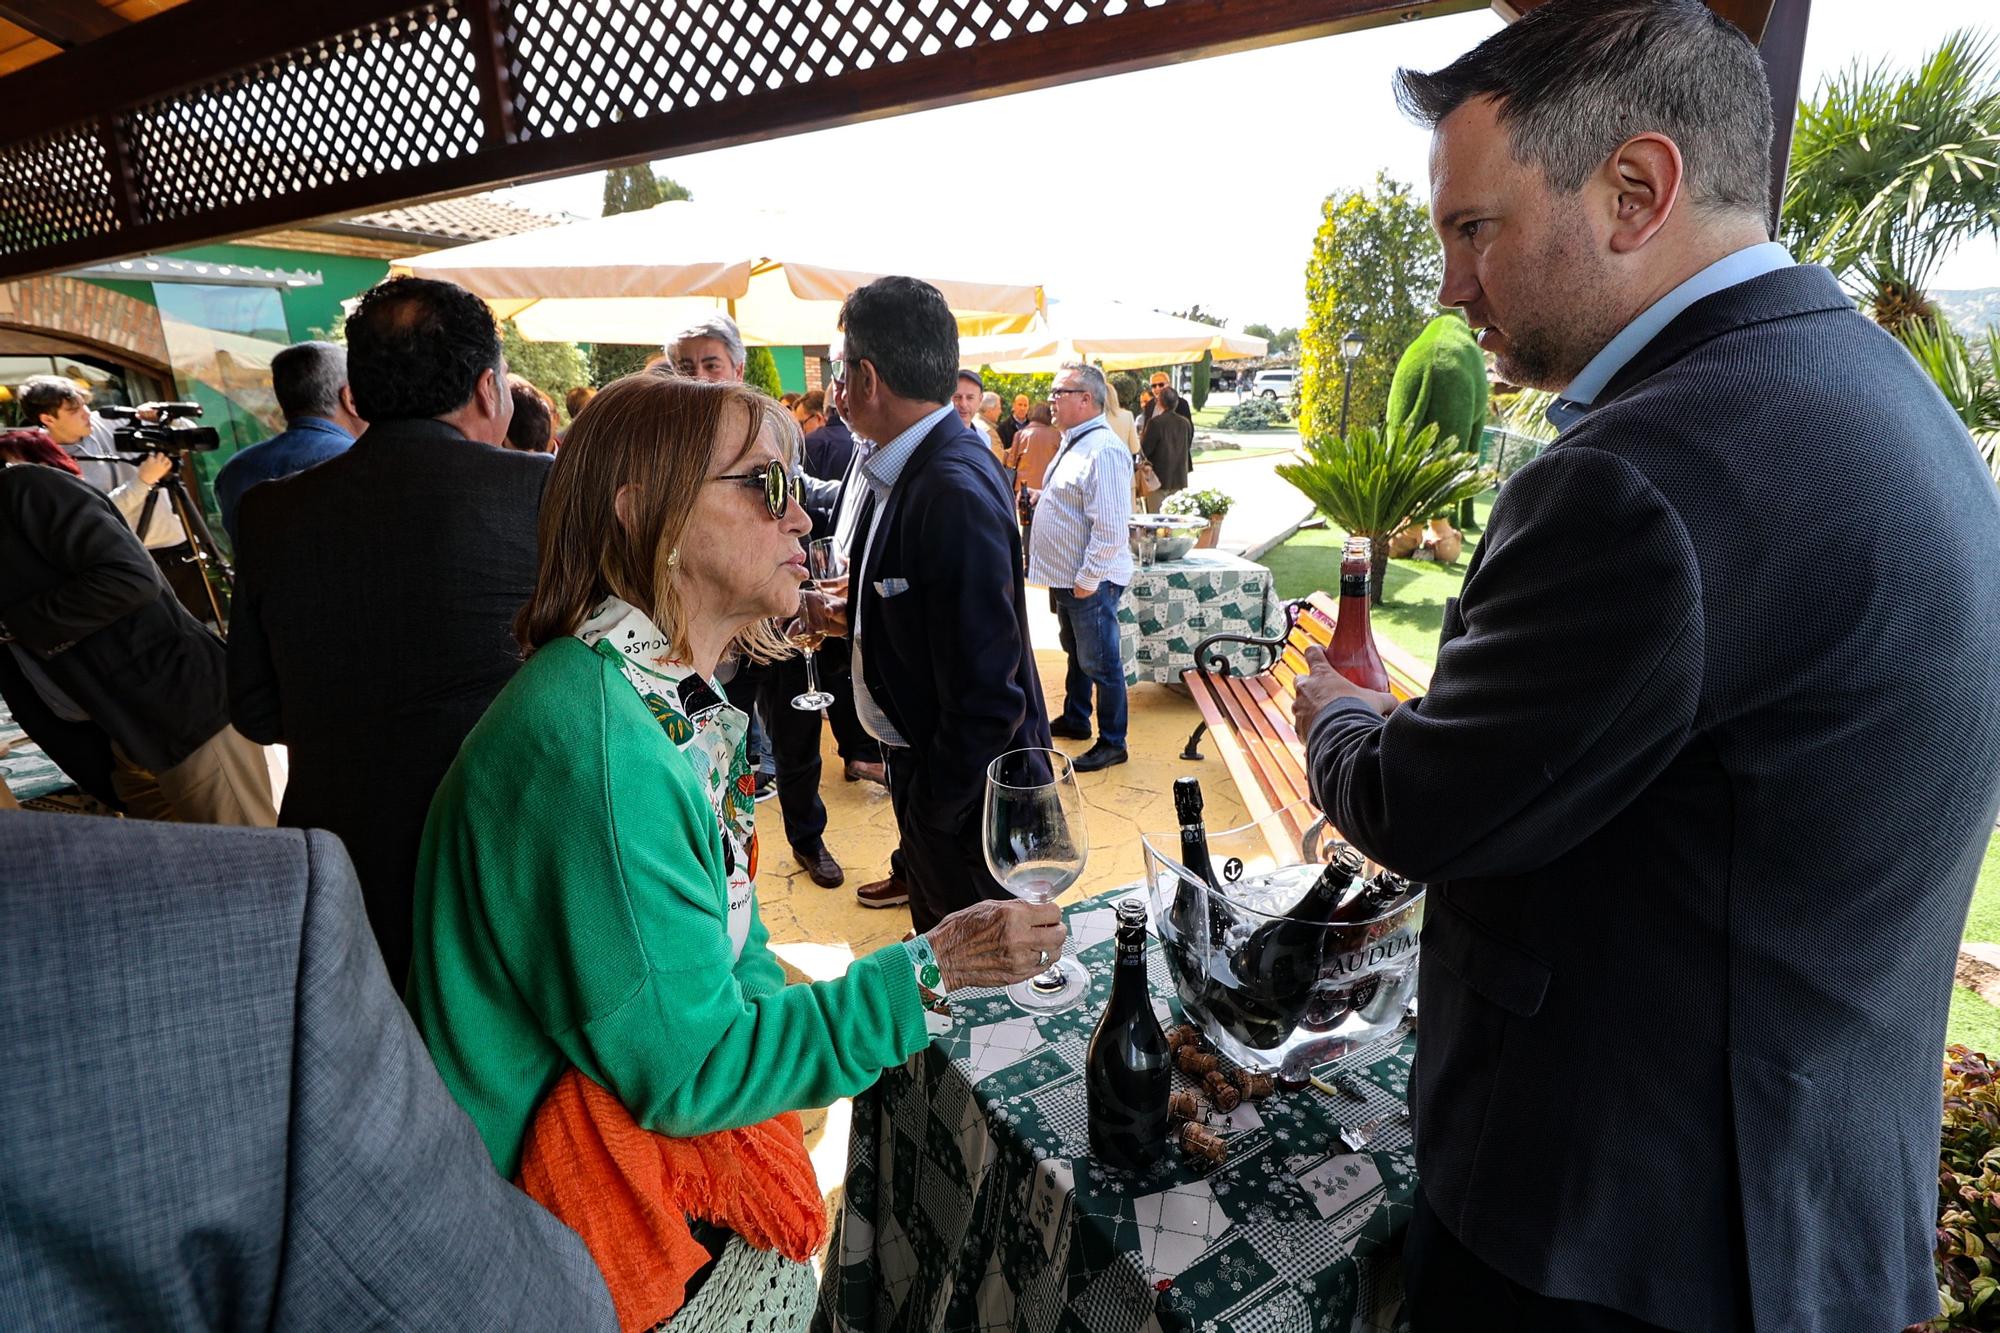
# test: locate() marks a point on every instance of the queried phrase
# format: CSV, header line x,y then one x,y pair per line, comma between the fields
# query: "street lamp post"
x,y
1351,344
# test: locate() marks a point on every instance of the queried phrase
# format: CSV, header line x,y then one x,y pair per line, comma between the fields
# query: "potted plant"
x,y
1378,482
1209,504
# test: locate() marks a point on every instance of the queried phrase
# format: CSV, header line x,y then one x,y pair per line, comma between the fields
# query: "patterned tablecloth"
x,y
27,771
1172,607
971,1202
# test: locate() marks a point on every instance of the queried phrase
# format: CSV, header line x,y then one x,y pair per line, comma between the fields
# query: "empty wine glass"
x,y
1036,844
825,564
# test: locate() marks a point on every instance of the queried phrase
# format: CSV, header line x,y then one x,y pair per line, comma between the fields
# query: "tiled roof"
x,y
476,217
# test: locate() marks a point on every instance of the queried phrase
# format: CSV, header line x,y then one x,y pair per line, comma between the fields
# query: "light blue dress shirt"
x,y
1750,262
881,467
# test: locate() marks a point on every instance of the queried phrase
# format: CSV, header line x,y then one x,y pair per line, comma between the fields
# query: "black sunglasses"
x,y
773,479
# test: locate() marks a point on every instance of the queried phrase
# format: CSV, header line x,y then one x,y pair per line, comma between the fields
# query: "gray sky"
x,y
1251,144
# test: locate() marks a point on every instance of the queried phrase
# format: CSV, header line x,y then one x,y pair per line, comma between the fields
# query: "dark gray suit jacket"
x,y
373,624
217,1113
1703,780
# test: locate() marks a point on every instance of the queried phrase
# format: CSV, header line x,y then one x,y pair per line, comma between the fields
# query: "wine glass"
x,y
1036,844
825,564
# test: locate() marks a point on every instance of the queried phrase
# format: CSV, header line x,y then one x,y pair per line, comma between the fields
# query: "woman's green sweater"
x,y
570,910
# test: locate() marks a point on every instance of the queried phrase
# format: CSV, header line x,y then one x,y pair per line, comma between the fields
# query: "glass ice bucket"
x,y
1342,985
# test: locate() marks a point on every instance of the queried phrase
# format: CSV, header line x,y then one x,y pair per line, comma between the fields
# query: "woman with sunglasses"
x,y
586,889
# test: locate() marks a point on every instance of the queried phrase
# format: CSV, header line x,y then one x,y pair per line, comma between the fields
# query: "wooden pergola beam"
x,y
64,23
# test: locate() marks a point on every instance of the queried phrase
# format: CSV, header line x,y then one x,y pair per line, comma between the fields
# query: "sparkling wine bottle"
x,y
1352,652
1127,1073
1189,910
1278,966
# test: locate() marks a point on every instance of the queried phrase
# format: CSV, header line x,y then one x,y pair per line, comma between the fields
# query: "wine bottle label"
x,y
1387,949
1353,585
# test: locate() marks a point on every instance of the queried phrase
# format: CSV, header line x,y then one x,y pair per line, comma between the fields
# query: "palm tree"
x,y
1378,481
1892,171
1968,378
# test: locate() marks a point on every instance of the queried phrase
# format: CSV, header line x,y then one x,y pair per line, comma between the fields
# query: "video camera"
x,y
168,432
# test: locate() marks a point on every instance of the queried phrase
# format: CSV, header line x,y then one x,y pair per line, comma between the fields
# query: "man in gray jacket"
x,y
219,1116
1701,820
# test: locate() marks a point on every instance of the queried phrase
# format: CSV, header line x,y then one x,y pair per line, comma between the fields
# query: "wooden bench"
x,y
1249,718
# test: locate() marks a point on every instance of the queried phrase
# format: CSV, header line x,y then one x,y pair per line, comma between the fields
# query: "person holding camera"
x,y
62,408
95,634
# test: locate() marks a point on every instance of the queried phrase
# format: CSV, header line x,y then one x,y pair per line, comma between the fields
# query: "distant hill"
x,y
1970,312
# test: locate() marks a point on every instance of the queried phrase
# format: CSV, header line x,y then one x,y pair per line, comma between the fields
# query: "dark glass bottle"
x,y
1278,966
1353,653
1127,1072
1189,910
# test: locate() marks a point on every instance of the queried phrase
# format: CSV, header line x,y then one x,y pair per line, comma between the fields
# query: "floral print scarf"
x,y
702,725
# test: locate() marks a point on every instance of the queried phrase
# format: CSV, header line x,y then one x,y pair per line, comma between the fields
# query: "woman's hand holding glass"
x,y
996,943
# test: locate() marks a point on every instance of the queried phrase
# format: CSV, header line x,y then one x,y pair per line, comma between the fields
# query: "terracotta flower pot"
x,y
1211,534
1445,541
1405,543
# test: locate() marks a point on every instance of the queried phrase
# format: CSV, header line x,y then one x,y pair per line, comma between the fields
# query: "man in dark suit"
x,y
218,1114
1696,887
944,674
376,591
104,666
1009,426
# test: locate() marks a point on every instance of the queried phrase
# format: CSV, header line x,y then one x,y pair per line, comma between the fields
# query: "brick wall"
x,y
84,312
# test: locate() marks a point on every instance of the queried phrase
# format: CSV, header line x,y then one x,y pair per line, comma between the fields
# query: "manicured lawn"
x,y
1410,615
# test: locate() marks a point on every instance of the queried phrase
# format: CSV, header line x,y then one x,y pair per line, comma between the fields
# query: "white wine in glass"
x,y
825,564
1036,844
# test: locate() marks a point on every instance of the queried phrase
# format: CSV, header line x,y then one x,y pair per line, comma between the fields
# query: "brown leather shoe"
x,y
890,892
862,770
819,864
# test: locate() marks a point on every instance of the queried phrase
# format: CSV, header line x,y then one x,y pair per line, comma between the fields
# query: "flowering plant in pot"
x,y
1210,504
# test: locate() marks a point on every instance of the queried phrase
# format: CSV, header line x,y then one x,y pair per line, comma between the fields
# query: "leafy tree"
x,y
1011,386
1279,340
1891,171
554,368
629,190
1379,480
1375,267
760,370
1198,391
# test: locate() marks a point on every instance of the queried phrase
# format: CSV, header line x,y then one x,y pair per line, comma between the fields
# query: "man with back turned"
x,y
1697,886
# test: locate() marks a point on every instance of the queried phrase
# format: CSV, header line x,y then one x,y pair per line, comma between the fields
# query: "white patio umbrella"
x,y
642,277
1112,334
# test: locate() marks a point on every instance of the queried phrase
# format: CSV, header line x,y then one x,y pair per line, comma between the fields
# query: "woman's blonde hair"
x,y
662,436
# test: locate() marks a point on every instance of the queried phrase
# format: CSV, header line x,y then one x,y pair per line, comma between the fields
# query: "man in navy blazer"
x,y
944,674
1701,819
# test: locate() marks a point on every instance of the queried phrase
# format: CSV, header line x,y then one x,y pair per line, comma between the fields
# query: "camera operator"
x,y
92,630
61,408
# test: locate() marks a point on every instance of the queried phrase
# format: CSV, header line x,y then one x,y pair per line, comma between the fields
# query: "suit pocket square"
x,y
891,587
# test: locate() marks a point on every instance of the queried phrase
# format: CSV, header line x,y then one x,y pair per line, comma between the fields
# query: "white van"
x,y
1274,383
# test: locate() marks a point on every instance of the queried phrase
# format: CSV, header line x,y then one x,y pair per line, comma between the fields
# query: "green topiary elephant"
x,y
1442,378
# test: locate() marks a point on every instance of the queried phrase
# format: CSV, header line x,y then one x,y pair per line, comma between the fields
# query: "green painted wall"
x,y
306,308
791,368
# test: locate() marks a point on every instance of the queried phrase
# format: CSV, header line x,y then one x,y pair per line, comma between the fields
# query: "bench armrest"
x,y
1211,660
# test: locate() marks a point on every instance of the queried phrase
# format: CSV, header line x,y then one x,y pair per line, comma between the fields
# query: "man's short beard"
x,y
1547,353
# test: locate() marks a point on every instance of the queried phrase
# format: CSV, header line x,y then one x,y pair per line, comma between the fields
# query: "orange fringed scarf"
x,y
629,1192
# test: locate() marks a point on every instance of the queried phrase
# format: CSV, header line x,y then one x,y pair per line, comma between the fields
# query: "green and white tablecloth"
x,y
1171,607
27,771
971,1201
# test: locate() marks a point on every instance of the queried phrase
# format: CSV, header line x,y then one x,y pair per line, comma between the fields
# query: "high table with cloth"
x,y
1175,604
971,1201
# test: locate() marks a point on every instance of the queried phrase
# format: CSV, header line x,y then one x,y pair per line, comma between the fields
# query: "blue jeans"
x,y
1089,631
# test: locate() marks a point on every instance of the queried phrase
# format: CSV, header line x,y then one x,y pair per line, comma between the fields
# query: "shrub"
x,y
760,370
1255,414
1968,1194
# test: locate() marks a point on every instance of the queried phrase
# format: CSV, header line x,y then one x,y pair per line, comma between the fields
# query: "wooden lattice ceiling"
x,y
216,118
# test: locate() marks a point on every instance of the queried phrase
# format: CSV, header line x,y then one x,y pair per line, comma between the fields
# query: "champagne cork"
x,y
1221,1091
1254,1087
1185,1106
1203,1142
1194,1063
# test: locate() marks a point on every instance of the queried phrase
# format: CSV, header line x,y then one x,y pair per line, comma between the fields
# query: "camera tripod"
x,y
204,554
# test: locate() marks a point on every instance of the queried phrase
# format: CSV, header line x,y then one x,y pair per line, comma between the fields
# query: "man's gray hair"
x,y
990,402
307,378
1093,380
719,327
1576,78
